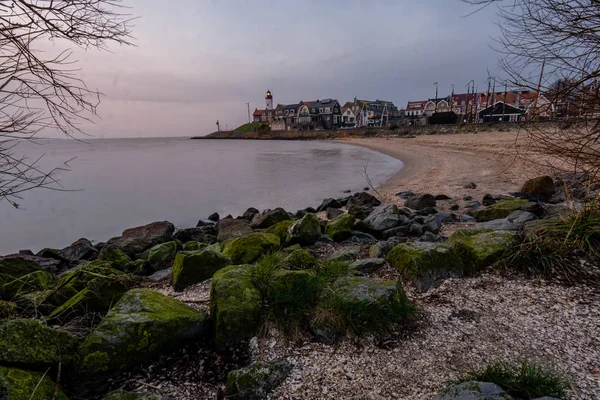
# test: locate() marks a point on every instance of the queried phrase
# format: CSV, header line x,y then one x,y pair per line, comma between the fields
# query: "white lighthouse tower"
x,y
269,100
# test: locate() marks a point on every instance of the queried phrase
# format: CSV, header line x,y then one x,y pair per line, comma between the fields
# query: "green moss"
x,y
257,380
299,259
306,231
247,249
292,296
7,308
50,253
194,267
478,250
38,280
29,343
116,257
501,209
340,227
18,384
281,230
11,268
161,253
235,306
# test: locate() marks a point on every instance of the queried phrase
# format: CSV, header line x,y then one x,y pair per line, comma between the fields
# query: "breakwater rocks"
x,y
78,321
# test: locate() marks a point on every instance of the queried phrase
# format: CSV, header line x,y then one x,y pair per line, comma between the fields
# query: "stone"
x,y
162,274
344,200
427,211
502,209
19,384
333,213
454,207
433,224
214,217
134,241
478,249
81,249
405,195
430,237
229,228
247,249
205,234
49,253
473,390
306,231
299,258
235,306
17,265
268,218
467,218
399,231
329,203
425,263
542,187
123,395
473,205
383,217
203,223
26,252
447,218
256,381
362,237
470,186
158,256
502,224
520,217
116,257
35,281
141,326
368,265
416,229
345,254
250,213
340,228
381,249
191,267
362,199
490,199
281,230
30,344
420,201
441,197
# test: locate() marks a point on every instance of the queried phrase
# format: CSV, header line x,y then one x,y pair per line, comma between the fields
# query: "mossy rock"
x,y
139,267
424,263
116,257
30,344
345,254
502,209
340,228
15,266
478,250
299,259
542,186
35,281
473,390
7,308
50,253
292,295
256,381
305,231
281,230
123,395
140,327
192,245
247,249
235,306
193,267
157,256
18,384
33,303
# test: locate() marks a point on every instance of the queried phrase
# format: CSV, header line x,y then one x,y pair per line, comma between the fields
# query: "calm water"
x,y
121,183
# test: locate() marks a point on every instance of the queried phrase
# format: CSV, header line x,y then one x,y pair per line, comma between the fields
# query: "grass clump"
x,y
526,381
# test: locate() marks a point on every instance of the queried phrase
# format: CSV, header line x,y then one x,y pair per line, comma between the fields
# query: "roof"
x,y
500,108
257,113
416,105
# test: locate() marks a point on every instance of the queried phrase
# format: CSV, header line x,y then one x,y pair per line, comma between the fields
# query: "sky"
x,y
198,61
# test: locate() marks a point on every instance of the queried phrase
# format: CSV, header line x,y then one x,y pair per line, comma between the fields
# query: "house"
x,y
257,115
348,116
437,105
373,112
500,112
415,108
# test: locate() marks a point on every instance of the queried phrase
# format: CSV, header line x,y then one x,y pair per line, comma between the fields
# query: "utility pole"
x,y
452,99
537,93
218,126
468,109
248,105
504,104
436,97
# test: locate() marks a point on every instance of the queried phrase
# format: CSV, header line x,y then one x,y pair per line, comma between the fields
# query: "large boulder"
x,y
368,265
116,257
420,201
82,249
191,267
158,256
345,254
478,249
541,187
295,257
230,228
140,327
257,380
235,306
19,384
384,217
134,241
502,209
281,230
30,344
473,390
269,217
340,228
204,234
381,249
35,281
361,199
424,263
247,249
305,231
17,265
329,203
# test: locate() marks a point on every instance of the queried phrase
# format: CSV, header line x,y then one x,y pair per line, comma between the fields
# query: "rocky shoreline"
x,y
354,298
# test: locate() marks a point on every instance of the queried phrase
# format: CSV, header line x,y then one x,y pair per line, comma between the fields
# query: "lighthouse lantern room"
x,y
269,100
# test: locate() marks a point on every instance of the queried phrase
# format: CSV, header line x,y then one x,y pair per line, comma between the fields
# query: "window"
x,y
286,112
320,110
291,111
312,110
327,109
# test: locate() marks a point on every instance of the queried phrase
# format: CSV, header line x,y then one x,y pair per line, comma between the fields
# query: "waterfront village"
x,y
508,106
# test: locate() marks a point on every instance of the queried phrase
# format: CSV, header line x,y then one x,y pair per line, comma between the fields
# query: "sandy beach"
x,y
497,162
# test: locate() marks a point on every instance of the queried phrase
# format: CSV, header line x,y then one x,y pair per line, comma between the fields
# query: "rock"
x,y
502,224
247,249
473,390
157,256
141,326
467,198
470,186
291,295
361,237
302,213
473,205
203,223
235,306
82,249
328,203
447,218
383,217
268,218
18,384
503,209
26,252
162,274
299,258
257,380
345,254
250,213
490,199
381,249
467,218
30,344
306,231
340,228
35,281
7,308
196,266
362,199
368,265
420,201
405,195
478,250
281,230
123,395
333,213
135,240
17,265
205,234
407,212
441,197
49,253
229,228
520,217
214,217
542,186
433,224
116,257
398,231
454,207
425,263
430,237
344,200
427,211
416,229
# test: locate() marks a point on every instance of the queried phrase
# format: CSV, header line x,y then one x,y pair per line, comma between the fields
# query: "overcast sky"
x,y
197,61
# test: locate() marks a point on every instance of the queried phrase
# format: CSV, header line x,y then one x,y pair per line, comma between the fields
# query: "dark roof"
x,y
500,108
291,106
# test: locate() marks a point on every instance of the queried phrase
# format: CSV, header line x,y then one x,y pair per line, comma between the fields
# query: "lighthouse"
x,y
269,100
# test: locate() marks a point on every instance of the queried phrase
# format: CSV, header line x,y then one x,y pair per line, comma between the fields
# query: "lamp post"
x,y
436,97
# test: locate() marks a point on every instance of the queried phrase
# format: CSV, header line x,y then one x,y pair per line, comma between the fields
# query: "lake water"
x,y
121,183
